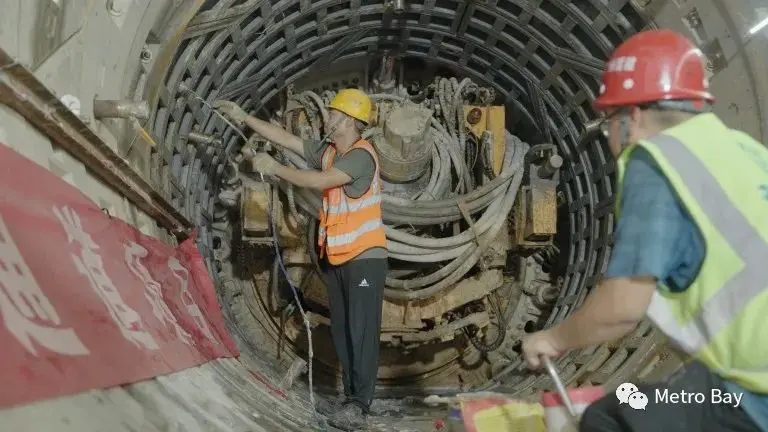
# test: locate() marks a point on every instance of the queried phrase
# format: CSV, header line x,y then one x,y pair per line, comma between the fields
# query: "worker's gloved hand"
x,y
248,152
250,149
230,110
539,344
264,163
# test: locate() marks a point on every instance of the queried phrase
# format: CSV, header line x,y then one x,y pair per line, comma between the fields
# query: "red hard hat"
x,y
652,66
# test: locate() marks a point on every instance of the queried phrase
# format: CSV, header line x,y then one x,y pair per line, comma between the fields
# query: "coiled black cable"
x,y
495,302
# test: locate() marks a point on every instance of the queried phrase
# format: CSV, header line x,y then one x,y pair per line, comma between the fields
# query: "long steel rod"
x,y
561,390
21,91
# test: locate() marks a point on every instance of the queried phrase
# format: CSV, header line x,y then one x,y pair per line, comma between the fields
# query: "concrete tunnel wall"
x,y
95,50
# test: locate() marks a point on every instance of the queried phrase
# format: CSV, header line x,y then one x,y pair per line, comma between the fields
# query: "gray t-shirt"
x,y
357,164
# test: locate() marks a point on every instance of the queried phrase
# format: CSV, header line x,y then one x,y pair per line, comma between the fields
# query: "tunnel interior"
x,y
543,61
104,95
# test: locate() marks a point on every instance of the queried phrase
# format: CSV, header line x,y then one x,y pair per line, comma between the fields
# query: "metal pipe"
x,y
550,167
120,109
21,91
591,128
199,138
561,390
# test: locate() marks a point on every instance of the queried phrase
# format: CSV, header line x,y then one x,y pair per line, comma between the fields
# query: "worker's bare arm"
x,y
276,134
613,310
319,180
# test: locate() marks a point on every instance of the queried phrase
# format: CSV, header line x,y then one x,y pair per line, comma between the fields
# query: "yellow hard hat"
x,y
354,103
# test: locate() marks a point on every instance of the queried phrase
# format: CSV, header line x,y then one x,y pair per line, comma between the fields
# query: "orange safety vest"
x,y
350,226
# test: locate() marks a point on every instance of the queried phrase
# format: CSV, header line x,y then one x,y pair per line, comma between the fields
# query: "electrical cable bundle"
x,y
449,187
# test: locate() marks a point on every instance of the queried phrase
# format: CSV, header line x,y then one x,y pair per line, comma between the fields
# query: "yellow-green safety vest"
x,y
721,177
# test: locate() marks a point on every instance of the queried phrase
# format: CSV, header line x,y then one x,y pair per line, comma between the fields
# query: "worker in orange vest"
x,y
351,238
690,248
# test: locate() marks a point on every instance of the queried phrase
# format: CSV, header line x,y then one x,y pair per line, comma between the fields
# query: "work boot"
x,y
329,405
349,418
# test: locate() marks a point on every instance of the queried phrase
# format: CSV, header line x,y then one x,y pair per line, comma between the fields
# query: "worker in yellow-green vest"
x,y
690,249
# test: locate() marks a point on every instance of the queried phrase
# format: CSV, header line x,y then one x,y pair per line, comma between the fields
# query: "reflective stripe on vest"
x,y
726,304
360,204
349,226
350,237
345,206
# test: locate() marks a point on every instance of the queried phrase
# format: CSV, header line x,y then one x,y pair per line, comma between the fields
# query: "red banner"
x,y
86,300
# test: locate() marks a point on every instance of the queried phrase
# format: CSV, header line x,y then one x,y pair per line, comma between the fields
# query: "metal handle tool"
x,y
561,390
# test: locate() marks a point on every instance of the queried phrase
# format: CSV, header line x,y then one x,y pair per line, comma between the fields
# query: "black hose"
x,y
311,239
493,346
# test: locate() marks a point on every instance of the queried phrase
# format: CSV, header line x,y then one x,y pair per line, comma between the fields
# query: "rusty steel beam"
x,y
21,91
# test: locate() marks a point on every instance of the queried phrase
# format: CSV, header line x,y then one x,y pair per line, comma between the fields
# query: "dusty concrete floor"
x,y
222,395
389,415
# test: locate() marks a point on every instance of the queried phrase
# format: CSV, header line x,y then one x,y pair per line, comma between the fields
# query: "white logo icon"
x,y
623,392
638,400
628,393
363,283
